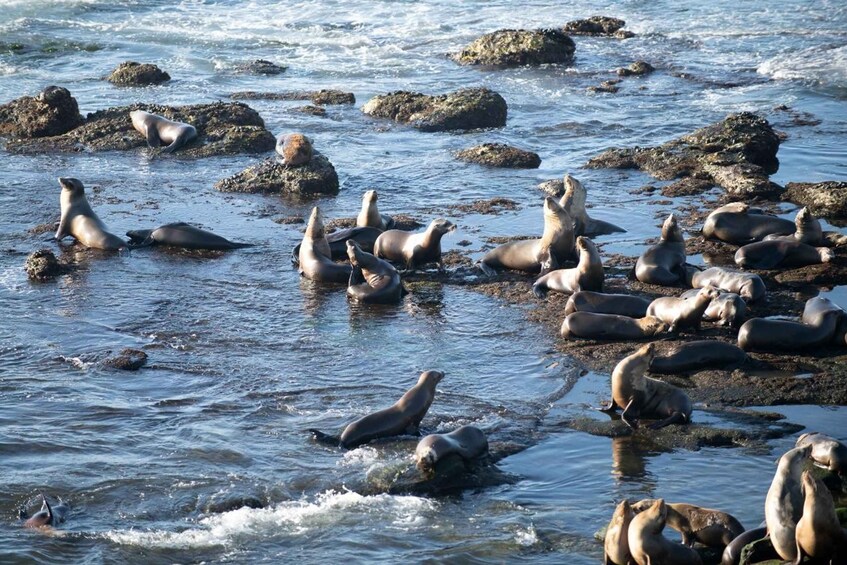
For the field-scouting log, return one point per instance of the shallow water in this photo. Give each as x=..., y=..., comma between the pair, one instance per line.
x=245, y=356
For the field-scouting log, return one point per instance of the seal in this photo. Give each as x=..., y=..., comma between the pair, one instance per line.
x=372, y=281
x=780, y=253
x=315, y=256
x=183, y=235
x=784, y=503
x=587, y=275
x=403, y=417
x=337, y=240
x=647, y=544
x=712, y=528
x=827, y=452
x=817, y=308
x=79, y=220
x=467, y=442
x=641, y=396
x=683, y=313
x=589, y=325
x=819, y=534
x=749, y=286
x=49, y=515
x=158, y=130
x=761, y=334
x=620, y=304
x=370, y=217
x=728, y=309
x=732, y=552
x=807, y=229
x=536, y=255
x=294, y=148
x=573, y=201
x=697, y=355
x=616, y=544
x=414, y=249
x=740, y=224
x=664, y=263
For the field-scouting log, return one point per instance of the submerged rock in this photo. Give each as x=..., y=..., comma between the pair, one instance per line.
x=608, y=86
x=53, y=112
x=131, y=73
x=500, y=155
x=468, y=108
x=127, y=360
x=827, y=199
x=259, y=67
x=42, y=265
x=318, y=176
x=321, y=97
x=518, y=47
x=638, y=68
x=599, y=25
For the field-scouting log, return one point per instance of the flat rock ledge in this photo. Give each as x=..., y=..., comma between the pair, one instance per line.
x=737, y=153
x=465, y=109
x=318, y=176
x=42, y=266
x=259, y=67
x=53, y=112
x=599, y=25
x=320, y=97
x=827, y=199
x=131, y=73
x=638, y=68
x=517, y=48
x=500, y=155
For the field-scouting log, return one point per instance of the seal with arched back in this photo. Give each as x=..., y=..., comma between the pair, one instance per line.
x=79, y=220
x=158, y=130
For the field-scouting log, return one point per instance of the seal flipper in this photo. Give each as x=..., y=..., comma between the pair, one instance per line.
x=46, y=506
x=675, y=418
x=487, y=269
x=632, y=411
x=180, y=140
x=140, y=238
x=356, y=276
x=608, y=408
x=153, y=139
x=323, y=438
x=22, y=513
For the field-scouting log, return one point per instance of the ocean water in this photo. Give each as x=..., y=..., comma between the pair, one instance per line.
x=203, y=455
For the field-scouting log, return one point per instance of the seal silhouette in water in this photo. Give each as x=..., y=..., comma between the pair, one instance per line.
x=47, y=516
x=79, y=220
x=158, y=130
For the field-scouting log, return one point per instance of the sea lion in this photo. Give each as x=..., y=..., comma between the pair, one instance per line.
x=818, y=307
x=403, y=417
x=337, y=240
x=761, y=334
x=681, y=313
x=697, y=355
x=827, y=452
x=314, y=257
x=468, y=442
x=819, y=534
x=536, y=255
x=370, y=217
x=732, y=552
x=372, y=281
x=49, y=515
x=663, y=263
x=79, y=220
x=780, y=253
x=740, y=224
x=587, y=275
x=183, y=235
x=728, y=309
x=589, y=325
x=158, y=130
x=784, y=503
x=573, y=201
x=748, y=285
x=616, y=542
x=294, y=148
x=597, y=302
x=641, y=396
x=414, y=249
x=647, y=544
x=712, y=528
x=807, y=229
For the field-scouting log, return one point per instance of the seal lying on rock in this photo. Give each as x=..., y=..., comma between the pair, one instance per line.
x=819, y=534
x=664, y=263
x=369, y=217
x=712, y=528
x=589, y=325
x=784, y=503
x=372, y=281
x=183, y=235
x=649, y=547
x=732, y=553
x=780, y=253
x=817, y=328
x=740, y=224
x=728, y=309
x=681, y=313
x=807, y=229
x=620, y=304
x=616, y=542
x=827, y=452
x=79, y=220
x=818, y=307
x=749, y=286
x=697, y=355
x=468, y=442
x=49, y=515
x=573, y=201
x=294, y=148
x=587, y=275
x=158, y=130
x=414, y=249
x=315, y=256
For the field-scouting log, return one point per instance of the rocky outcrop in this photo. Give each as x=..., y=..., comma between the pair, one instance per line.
x=318, y=176
x=131, y=73
x=127, y=360
x=737, y=153
x=42, y=265
x=321, y=97
x=500, y=155
x=518, y=47
x=607, y=86
x=259, y=67
x=827, y=199
x=468, y=108
x=599, y=25
x=53, y=112
x=638, y=68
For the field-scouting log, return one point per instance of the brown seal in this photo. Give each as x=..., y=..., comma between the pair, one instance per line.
x=697, y=355
x=79, y=220
x=728, y=309
x=616, y=542
x=587, y=275
x=600, y=303
x=49, y=515
x=819, y=534
x=712, y=528
x=373, y=281
x=817, y=328
x=781, y=253
x=468, y=442
x=807, y=229
x=649, y=547
x=679, y=313
x=827, y=452
x=180, y=234
x=784, y=503
x=664, y=263
x=157, y=130
x=740, y=224
x=589, y=325
x=817, y=308
x=749, y=286
x=573, y=201
x=315, y=261
x=369, y=216
x=414, y=249
x=294, y=148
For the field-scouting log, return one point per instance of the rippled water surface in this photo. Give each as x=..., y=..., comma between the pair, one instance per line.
x=203, y=454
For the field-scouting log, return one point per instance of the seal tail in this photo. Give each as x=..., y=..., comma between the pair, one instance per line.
x=323, y=438
x=486, y=269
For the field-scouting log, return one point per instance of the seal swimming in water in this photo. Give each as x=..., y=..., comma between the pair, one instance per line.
x=647, y=544
x=47, y=516
x=468, y=442
x=573, y=201
x=749, y=286
x=696, y=355
x=587, y=275
x=664, y=263
x=79, y=220
x=315, y=256
x=712, y=528
x=819, y=534
x=369, y=217
x=600, y=303
x=681, y=313
x=827, y=452
x=740, y=224
x=616, y=542
x=414, y=249
x=403, y=417
x=807, y=229
x=157, y=129
x=183, y=235
x=589, y=325
x=817, y=328
x=294, y=148
x=784, y=503
x=372, y=281
x=728, y=309
x=781, y=253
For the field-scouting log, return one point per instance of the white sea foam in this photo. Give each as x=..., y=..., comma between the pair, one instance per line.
x=526, y=536
x=825, y=65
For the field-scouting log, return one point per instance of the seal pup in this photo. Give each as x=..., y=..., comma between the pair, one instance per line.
x=587, y=275
x=79, y=220
x=697, y=355
x=402, y=417
x=180, y=234
x=819, y=534
x=712, y=528
x=663, y=263
x=641, y=396
x=157, y=130
x=369, y=217
x=573, y=201
x=536, y=255
x=827, y=452
x=294, y=148
x=740, y=224
x=414, y=249
x=784, y=503
x=748, y=285
x=780, y=253
x=647, y=544
x=589, y=325
x=679, y=313
x=315, y=257
x=372, y=280
x=616, y=542
x=468, y=442
x=728, y=309
x=597, y=302
x=767, y=335
x=48, y=515
x=337, y=240
x=807, y=229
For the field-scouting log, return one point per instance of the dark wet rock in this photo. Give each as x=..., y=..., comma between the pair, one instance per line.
x=127, y=360
x=222, y=129
x=828, y=199
x=232, y=502
x=599, y=25
x=553, y=187
x=259, y=67
x=131, y=73
x=500, y=155
x=289, y=220
x=321, y=97
x=53, y=112
x=310, y=110
x=318, y=176
x=468, y=108
x=608, y=86
x=737, y=154
x=687, y=186
x=761, y=552
x=638, y=68
x=42, y=265
x=518, y=47
x=492, y=206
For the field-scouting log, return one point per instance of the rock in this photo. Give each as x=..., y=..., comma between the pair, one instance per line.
x=310, y=110
x=321, y=97
x=53, y=112
x=737, y=154
x=518, y=47
x=608, y=86
x=638, y=68
x=468, y=108
x=828, y=199
x=500, y=155
x=318, y=176
x=599, y=25
x=553, y=187
x=127, y=360
x=259, y=67
x=42, y=265
x=131, y=73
